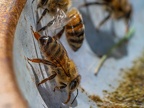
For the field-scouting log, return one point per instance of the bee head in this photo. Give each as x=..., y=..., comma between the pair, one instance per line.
x=72, y=86
x=74, y=83
x=43, y=40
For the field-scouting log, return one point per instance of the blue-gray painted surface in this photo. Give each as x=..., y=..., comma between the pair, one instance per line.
x=86, y=58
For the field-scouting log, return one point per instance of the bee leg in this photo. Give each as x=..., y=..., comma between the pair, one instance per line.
x=49, y=78
x=58, y=36
x=48, y=25
x=60, y=87
x=92, y=3
x=127, y=25
x=113, y=29
x=103, y=21
x=68, y=99
x=37, y=60
x=43, y=14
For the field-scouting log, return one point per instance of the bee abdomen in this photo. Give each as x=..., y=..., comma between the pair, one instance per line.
x=53, y=49
x=75, y=30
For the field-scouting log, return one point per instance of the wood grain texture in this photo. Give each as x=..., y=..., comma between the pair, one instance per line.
x=10, y=96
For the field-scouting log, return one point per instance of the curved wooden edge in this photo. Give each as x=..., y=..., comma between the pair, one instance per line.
x=10, y=96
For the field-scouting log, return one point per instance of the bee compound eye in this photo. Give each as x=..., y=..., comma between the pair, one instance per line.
x=73, y=84
x=43, y=40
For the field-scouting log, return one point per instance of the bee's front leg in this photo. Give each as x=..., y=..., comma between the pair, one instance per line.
x=63, y=85
x=68, y=99
x=127, y=26
x=49, y=78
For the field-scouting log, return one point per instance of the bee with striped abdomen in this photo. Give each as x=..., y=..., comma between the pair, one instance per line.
x=71, y=20
x=52, y=6
x=74, y=30
x=63, y=69
x=117, y=9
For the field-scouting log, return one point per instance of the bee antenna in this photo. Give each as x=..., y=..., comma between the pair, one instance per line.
x=75, y=97
x=36, y=34
x=32, y=29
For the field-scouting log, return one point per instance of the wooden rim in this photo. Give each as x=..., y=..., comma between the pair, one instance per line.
x=10, y=95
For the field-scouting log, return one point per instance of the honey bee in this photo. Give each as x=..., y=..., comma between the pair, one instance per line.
x=63, y=69
x=53, y=7
x=74, y=30
x=117, y=9
x=70, y=20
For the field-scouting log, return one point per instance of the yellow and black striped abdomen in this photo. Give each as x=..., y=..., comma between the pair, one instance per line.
x=75, y=30
x=52, y=48
x=54, y=52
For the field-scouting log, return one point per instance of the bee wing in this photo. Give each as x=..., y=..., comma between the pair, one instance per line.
x=57, y=59
x=62, y=66
x=60, y=20
x=62, y=47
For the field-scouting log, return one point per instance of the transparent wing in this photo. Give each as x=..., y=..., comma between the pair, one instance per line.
x=60, y=20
